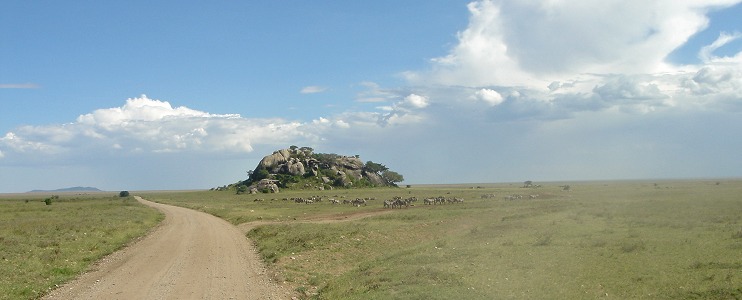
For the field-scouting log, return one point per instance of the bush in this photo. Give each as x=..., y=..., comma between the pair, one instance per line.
x=124, y=194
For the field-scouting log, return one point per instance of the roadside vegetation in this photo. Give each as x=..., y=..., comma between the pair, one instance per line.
x=620, y=240
x=47, y=240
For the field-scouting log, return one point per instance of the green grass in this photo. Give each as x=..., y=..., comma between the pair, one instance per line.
x=42, y=246
x=619, y=240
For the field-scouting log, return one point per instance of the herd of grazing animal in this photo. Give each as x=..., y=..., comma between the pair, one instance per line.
x=395, y=202
x=518, y=197
x=318, y=199
x=442, y=200
x=398, y=202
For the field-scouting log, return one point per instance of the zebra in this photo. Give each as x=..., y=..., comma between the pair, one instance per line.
x=388, y=203
x=358, y=202
x=399, y=202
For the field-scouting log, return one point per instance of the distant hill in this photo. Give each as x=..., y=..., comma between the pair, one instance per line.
x=70, y=189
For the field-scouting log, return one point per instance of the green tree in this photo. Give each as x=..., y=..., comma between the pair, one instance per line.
x=373, y=167
x=257, y=175
x=391, y=177
x=284, y=180
x=124, y=194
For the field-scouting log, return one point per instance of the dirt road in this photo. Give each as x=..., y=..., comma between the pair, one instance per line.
x=191, y=255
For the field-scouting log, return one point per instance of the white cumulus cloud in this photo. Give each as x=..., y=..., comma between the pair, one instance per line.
x=546, y=60
x=489, y=96
x=534, y=43
x=144, y=125
x=415, y=101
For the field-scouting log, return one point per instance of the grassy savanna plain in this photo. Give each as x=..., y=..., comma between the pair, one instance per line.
x=42, y=245
x=616, y=240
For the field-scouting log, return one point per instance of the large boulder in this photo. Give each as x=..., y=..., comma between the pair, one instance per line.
x=266, y=184
x=374, y=178
x=295, y=167
x=350, y=162
x=274, y=161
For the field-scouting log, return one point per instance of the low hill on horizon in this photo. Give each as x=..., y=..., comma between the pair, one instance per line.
x=69, y=189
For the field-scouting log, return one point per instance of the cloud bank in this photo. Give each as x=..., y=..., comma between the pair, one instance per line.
x=146, y=126
x=551, y=59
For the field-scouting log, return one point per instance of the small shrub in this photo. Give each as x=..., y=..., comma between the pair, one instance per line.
x=48, y=201
x=124, y=194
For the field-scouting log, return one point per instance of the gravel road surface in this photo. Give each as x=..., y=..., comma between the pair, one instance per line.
x=191, y=255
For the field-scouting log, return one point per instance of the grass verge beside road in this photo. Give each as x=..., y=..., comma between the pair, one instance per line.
x=42, y=246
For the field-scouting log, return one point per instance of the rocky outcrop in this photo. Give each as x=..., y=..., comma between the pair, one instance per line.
x=374, y=178
x=268, y=185
x=275, y=160
x=324, y=169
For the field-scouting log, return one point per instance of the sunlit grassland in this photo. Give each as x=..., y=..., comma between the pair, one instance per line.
x=45, y=245
x=243, y=208
x=620, y=240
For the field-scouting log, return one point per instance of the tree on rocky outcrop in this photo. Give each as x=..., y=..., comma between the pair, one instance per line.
x=392, y=177
x=258, y=174
x=374, y=167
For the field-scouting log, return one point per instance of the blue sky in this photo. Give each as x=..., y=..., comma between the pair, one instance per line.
x=182, y=95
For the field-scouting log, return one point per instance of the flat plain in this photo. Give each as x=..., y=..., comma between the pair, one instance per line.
x=614, y=240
